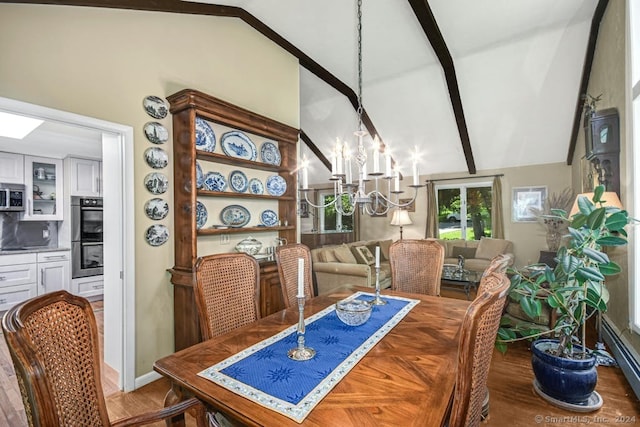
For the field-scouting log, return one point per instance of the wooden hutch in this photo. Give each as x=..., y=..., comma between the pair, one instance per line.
x=185, y=106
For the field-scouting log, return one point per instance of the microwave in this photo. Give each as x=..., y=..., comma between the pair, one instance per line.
x=12, y=197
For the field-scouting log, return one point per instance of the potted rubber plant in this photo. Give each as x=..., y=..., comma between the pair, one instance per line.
x=564, y=368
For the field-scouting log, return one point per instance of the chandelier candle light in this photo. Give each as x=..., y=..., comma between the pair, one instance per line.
x=373, y=202
x=301, y=352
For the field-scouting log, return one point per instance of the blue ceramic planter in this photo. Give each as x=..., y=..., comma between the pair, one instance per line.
x=568, y=380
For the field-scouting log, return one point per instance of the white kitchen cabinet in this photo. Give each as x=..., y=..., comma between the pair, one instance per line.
x=11, y=168
x=88, y=286
x=85, y=177
x=43, y=179
x=17, y=279
x=54, y=271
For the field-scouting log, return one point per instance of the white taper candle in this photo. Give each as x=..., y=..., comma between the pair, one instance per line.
x=300, y=277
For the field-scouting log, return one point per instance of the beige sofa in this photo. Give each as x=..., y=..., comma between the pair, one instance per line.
x=350, y=265
x=477, y=253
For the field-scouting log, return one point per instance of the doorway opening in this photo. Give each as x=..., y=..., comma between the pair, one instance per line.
x=119, y=272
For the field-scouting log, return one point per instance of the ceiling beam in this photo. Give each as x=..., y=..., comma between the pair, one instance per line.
x=586, y=74
x=176, y=6
x=313, y=147
x=430, y=27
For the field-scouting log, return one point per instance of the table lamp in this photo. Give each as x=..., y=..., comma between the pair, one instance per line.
x=401, y=217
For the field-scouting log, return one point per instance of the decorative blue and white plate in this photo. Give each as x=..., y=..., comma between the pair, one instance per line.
x=156, y=208
x=156, y=157
x=269, y=153
x=276, y=185
x=156, y=183
x=215, y=181
x=237, y=144
x=205, y=138
x=235, y=216
x=199, y=176
x=155, y=107
x=238, y=181
x=201, y=215
x=157, y=234
x=255, y=186
x=269, y=218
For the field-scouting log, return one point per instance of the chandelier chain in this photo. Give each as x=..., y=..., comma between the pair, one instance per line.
x=360, y=109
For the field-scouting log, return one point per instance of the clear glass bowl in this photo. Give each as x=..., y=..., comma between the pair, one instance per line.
x=353, y=312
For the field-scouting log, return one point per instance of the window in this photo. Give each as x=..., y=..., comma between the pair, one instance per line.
x=329, y=218
x=634, y=86
x=464, y=211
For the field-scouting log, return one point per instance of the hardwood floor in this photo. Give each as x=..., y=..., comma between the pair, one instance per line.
x=513, y=402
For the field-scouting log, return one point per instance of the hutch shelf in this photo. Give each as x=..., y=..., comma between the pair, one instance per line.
x=185, y=106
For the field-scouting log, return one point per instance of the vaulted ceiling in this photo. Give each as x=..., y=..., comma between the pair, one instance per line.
x=475, y=85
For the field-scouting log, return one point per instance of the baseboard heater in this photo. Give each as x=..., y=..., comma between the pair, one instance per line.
x=624, y=354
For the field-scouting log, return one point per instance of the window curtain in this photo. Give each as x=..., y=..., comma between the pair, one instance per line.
x=497, y=213
x=432, y=212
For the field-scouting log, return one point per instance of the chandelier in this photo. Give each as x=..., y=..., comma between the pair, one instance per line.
x=374, y=202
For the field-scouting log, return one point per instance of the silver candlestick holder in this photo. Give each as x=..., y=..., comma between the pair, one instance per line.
x=301, y=352
x=377, y=300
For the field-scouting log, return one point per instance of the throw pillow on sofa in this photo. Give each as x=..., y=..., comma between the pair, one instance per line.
x=372, y=249
x=489, y=248
x=327, y=255
x=467, y=253
x=363, y=255
x=343, y=254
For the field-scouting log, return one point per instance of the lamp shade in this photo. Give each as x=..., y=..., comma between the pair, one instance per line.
x=401, y=217
x=609, y=199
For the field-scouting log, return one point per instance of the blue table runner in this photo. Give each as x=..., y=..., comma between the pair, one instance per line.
x=264, y=373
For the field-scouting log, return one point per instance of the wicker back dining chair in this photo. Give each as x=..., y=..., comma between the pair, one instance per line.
x=227, y=292
x=287, y=259
x=54, y=344
x=475, y=348
x=416, y=266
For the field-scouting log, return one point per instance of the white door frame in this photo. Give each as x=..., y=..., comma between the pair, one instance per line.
x=118, y=159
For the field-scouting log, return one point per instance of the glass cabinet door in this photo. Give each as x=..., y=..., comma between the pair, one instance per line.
x=43, y=182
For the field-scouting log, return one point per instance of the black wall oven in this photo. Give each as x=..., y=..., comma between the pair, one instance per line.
x=86, y=237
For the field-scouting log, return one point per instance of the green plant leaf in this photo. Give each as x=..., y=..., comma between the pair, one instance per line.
x=501, y=347
x=555, y=300
x=596, y=219
x=611, y=241
x=576, y=234
x=585, y=205
x=589, y=273
x=597, y=193
x=578, y=220
x=610, y=268
x=597, y=256
x=617, y=221
x=531, y=306
x=595, y=300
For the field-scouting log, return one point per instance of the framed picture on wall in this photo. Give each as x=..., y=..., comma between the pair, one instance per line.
x=524, y=200
x=411, y=207
x=304, y=209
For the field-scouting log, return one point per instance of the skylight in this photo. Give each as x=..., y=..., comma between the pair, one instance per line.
x=16, y=126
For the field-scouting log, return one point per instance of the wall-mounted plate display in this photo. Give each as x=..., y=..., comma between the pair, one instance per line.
x=235, y=216
x=269, y=218
x=276, y=185
x=199, y=176
x=215, y=181
x=156, y=157
x=269, y=153
x=156, y=183
x=156, y=208
x=205, y=138
x=157, y=234
x=255, y=186
x=238, y=181
x=237, y=144
x=156, y=133
x=155, y=107
x=201, y=215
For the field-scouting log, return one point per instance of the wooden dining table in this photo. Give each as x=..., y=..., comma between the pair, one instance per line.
x=405, y=379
